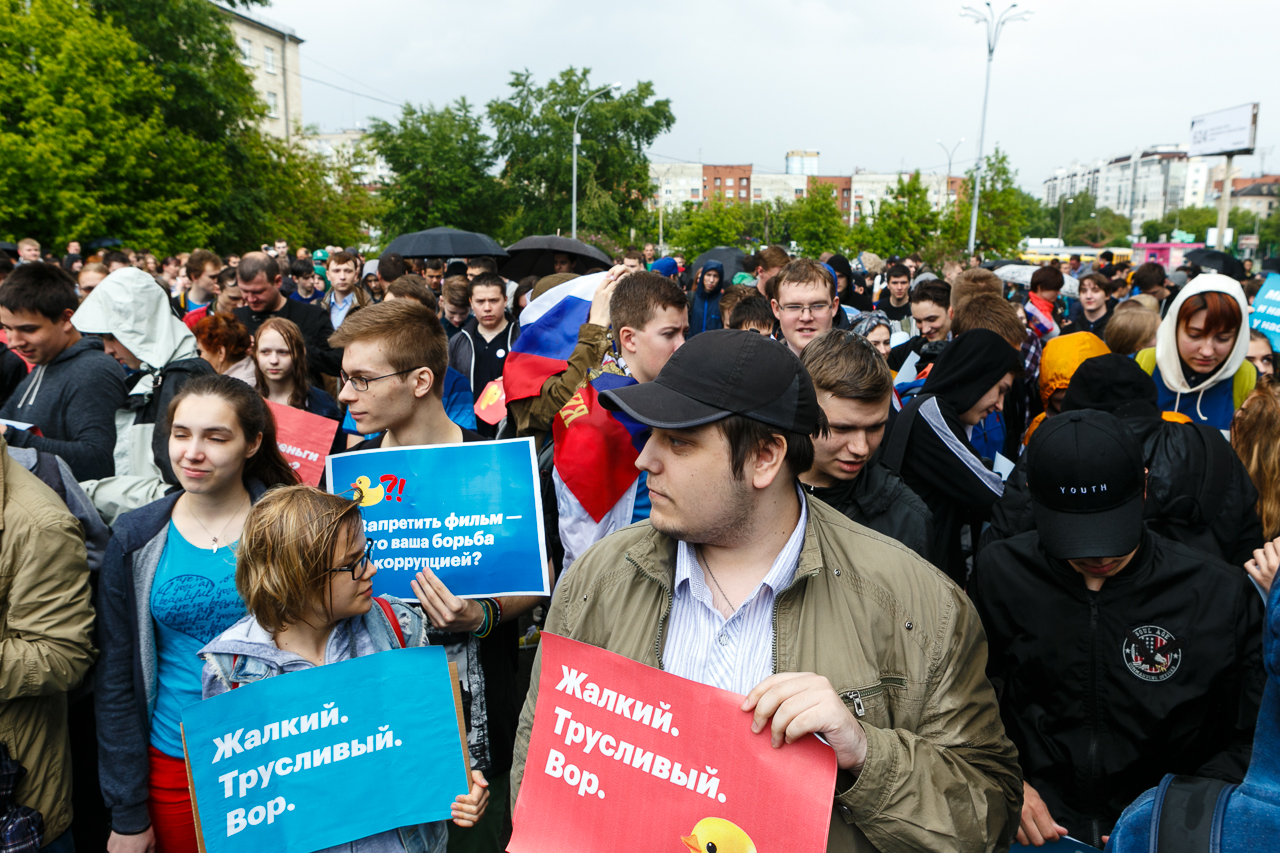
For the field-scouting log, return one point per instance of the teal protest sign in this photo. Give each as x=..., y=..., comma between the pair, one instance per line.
x=1266, y=310
x=471, y=513
x=328, y=755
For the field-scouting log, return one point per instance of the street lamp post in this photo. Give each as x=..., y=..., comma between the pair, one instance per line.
x=994, y=25
x=946, y=193
x=577, y=140
x=1062, y=214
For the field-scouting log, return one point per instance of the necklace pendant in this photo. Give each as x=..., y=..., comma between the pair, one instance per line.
x=215, y=544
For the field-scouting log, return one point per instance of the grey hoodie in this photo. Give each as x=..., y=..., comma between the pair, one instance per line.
x=73, y=400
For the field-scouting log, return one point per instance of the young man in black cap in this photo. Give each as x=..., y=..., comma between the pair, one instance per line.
x=738, y=580
x=1124, y=656
x=1198, y=491
x=855, y=390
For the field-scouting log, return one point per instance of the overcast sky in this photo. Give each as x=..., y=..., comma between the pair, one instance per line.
x=870, y=85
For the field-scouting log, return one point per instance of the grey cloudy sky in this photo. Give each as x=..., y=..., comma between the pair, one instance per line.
x=870, y=85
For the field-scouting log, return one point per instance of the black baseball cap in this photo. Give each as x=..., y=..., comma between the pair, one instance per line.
x=1086, y=474
x=721, y=373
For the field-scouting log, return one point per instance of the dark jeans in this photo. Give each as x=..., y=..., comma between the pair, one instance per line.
x=64, y=843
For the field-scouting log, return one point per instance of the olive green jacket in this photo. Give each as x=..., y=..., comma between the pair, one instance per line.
x=533, y=415
x=900, y=643
x=46, y=619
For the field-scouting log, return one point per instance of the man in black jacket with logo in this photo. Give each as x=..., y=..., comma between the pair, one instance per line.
x=1198, y=491
x=1120, y=655
x=854, y=389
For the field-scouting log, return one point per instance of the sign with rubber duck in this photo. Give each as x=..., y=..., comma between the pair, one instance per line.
x=471, y=513
x=624, y=757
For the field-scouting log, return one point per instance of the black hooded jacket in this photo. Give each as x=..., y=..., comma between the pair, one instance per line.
x=1097, y=717
x=928, y=447
x=877, y=498
x=1198, y=491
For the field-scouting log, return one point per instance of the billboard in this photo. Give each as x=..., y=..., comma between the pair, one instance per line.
x=1225, y=132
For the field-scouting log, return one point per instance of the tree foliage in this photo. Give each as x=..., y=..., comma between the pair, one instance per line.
x=534, y=133
x=442, y=161
x=815, y=222
x=1198, y=221
x=720, y=223
x=1000, y=213
x=903, y=223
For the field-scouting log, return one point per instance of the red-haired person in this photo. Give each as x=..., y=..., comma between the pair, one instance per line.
x=1198, y=361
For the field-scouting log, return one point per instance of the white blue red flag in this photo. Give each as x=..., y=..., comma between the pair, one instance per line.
x=548, y=333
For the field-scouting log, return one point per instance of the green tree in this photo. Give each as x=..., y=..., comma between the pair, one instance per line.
x=1104, y=227
x=902, y=224
x=533, y=134
x=1198, y=221
x=1000, y=213
x=720, y=223
x=815, y=221
x=1039, y=220
x=83, y=163
x=442, y=161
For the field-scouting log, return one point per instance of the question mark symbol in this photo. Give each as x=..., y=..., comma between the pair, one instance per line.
x=475, y=555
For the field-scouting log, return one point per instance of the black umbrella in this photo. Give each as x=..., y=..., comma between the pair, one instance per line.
x=1003, y=262
x=1271, y=264
x=445, y=243
x=105, y=243
x=10, y=248
x=1211, y=260
x=734, y=261
x=536, y=256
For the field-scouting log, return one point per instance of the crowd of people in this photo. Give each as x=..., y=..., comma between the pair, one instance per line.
x=1008, y=551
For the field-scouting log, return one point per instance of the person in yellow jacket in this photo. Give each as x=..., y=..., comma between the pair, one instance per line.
x=1062, y=356
x=1198, y=361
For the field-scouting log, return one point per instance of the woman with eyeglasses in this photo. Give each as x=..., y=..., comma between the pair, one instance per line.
x=306, y=574
x=166, y=588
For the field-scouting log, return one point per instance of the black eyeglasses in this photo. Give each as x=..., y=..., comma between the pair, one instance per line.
x=359, y=566
x=361, y=384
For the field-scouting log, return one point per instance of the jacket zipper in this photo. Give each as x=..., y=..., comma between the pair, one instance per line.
x=874, y=690
x=1095, y=829
x=662, y=622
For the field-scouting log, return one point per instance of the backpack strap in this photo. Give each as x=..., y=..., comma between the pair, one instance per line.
x=895, y=449
x=391, y=617
x=1218, y=462
x=1187, y=814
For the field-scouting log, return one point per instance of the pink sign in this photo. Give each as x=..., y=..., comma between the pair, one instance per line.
x=304, y=440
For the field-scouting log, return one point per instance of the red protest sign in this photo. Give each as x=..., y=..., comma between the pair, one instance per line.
x=492, y=405
x=624, y=757
x=304, y=440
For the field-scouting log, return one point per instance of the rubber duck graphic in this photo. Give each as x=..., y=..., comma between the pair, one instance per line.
x=368, y=495
x=717, y=835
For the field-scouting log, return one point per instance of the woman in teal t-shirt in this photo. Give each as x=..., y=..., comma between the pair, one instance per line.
x=178, y=556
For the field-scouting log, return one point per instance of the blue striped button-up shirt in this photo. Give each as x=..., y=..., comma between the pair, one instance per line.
x=735, y=653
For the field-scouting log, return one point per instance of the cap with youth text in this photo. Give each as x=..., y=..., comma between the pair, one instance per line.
x=1086, y=475
x=721, y=373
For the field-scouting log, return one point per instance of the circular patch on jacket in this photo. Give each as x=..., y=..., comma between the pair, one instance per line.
x=1151, y=652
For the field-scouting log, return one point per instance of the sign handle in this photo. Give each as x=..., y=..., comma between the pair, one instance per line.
x=191, y=786
x=462, y=727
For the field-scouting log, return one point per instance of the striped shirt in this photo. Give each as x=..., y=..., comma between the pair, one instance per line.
x=736, y=653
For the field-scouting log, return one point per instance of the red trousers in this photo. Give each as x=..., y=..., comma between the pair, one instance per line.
x=169, y=804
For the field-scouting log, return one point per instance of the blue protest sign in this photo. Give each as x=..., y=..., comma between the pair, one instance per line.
x=472, y=513
x=1266, y=310
x=374, y=743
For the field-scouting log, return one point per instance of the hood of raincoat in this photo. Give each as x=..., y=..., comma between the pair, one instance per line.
x=1167, y=358
x=131, y=306
x=708, y=266
x=970, y=366
x=1062, y=357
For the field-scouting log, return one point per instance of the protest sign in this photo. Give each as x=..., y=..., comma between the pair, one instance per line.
x=625, y=757
x=374, y=743
x=1266, y=310
x=472, y=513
x=304, y=439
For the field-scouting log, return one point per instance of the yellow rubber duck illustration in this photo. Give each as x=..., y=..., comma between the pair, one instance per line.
x=717, y=835
x=368, y=495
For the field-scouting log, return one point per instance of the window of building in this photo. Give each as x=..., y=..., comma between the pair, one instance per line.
x=799, y=192
x=246, y=51
x=728, y=182
x=269, y=60
x=742, y=193
x=271, y=105
x=717, y=182
x=693, y=193
x=755, y=192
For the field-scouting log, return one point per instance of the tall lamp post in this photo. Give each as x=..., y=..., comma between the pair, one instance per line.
x=1062, y=213
x=946, y=193
x=995, y=23
x=577, y=140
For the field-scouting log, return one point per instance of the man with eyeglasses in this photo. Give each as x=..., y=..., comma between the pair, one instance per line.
x=804, y=302
x=394, y=360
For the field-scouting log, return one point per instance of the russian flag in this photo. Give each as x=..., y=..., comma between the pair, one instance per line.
x=548, y=334
x=596, y=449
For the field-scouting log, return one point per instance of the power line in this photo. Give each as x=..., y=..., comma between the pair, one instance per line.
x=310, y=58
x=351, y=91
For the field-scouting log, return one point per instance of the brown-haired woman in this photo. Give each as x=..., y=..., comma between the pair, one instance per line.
x=167, y=587
x=1253, y=435
x=305, y=571
x=280, y=369
x=224, y=342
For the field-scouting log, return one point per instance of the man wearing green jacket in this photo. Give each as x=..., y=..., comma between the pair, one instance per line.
x=737, y=580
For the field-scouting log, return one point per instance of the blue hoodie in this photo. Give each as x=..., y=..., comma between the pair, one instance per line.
x=704, y=307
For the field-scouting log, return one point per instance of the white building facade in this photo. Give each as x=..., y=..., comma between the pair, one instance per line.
x=347, y=143
x=270, y=51
x=1145, y=184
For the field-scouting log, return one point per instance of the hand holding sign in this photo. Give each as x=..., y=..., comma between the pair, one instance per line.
x=795, y=704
